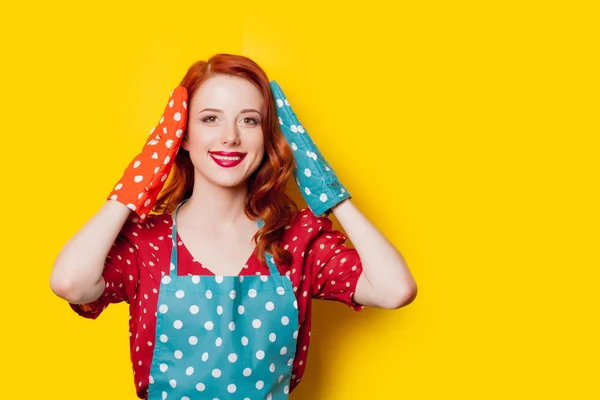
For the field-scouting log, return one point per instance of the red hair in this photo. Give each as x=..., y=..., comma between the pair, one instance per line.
x=266, y=198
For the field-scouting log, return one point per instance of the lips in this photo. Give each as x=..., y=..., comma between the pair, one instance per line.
x=227, y=159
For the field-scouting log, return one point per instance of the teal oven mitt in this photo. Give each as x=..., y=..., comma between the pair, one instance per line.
x=316, y=180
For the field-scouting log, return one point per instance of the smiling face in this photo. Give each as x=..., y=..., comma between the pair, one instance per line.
x=224, y=130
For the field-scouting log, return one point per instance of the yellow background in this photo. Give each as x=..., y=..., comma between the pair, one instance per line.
x=466, y=131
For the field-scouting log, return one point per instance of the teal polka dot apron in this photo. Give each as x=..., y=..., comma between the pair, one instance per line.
x=223, y=337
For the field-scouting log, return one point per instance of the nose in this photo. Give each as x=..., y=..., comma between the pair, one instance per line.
x=230, y=135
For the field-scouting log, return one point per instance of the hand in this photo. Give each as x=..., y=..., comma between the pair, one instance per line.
x=146, y=174
x=316, y=180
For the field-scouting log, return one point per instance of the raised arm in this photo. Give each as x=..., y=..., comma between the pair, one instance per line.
x=77, y=272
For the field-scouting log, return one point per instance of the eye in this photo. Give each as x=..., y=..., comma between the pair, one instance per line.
x=209, y=118
x=251, y=121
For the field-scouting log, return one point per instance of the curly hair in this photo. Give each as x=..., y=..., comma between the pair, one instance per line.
x=266, y=197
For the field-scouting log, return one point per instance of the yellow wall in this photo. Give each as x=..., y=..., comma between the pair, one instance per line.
x=467, y=132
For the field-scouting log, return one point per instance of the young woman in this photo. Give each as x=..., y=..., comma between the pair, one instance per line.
x=217, y=263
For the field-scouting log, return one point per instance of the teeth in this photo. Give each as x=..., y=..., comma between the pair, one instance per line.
x=227, y=158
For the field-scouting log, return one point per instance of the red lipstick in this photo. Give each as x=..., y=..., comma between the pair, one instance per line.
x=227, y=159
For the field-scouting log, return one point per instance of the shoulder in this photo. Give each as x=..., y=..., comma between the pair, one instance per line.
x=306, y=226
x=152, y=228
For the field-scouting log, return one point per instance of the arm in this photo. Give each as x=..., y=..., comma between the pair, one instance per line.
x=77, y=271
x=386, y=281
x=77, y=275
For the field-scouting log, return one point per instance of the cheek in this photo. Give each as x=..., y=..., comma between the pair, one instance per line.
x=198, y=137
x=257, y=141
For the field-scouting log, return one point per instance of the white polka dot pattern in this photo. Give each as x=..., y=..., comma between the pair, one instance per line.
x=318, y=183
x=147, y=172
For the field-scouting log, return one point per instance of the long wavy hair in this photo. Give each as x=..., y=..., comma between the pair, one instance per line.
x=266, y=197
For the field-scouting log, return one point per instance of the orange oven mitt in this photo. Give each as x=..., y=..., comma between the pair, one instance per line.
x=146, y=174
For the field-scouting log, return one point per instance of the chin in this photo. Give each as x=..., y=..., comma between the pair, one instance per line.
x=224, y=178
x=229, y=183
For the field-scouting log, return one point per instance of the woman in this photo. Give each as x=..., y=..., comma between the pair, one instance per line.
x=217, y=263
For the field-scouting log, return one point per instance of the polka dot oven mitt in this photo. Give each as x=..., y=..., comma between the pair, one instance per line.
x=316, y=180
x=145, y=176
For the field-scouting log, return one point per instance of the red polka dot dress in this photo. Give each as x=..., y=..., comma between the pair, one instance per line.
x=323, y=267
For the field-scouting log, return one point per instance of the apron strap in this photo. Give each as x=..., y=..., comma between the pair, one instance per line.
x=270, y=260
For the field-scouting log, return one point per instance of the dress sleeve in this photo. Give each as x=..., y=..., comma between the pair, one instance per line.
x=120, y=275
x=335, y=267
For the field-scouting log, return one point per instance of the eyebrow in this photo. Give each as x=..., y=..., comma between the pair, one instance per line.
x=245, y=110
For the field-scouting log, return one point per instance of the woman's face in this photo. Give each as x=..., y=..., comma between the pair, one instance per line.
x=225, y=136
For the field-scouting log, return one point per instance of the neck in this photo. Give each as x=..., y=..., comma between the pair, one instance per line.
x=221, y=208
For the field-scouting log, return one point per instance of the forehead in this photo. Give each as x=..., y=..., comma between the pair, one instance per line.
x=227, y=92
